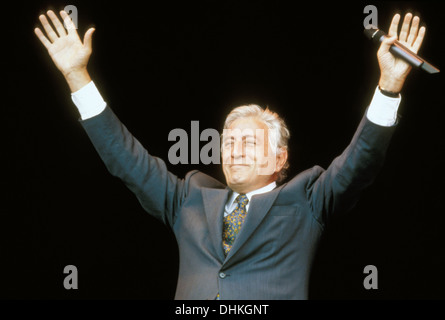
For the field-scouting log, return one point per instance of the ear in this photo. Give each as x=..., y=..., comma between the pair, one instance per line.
x=281, y=159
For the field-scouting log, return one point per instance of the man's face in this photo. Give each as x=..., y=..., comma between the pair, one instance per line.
x=249, y=163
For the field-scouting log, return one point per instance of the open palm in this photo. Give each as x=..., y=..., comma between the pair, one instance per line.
x=65, y=48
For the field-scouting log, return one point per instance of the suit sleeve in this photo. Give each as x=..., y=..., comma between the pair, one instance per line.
x=338, y=188
x=160, y=192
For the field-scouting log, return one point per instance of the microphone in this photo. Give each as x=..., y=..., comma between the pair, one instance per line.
x=400, y=50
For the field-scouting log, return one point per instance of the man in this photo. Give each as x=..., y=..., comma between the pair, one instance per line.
x=256, y=237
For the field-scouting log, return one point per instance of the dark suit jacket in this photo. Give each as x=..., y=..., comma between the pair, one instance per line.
x=272, y=255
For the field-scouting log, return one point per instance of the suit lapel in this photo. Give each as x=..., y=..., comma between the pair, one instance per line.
x=260, y=205
x=214, y=203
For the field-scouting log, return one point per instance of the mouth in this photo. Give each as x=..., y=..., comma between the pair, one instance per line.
x=238, y=166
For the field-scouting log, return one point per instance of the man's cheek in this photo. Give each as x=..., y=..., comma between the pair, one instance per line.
x=225, y=159
x=267, y=167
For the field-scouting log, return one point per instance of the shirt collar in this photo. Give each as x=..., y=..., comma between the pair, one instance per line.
x=249, y=195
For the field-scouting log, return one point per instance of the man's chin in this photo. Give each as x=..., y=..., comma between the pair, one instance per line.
x=237, y=182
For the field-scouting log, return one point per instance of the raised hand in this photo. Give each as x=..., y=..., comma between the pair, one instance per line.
x=66, y=49
x=394, y=70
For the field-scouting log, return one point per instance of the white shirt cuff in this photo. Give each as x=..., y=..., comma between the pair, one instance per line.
x=383, y=109
x=88, y=101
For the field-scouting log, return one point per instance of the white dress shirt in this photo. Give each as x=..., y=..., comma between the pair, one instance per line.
x=231, y=205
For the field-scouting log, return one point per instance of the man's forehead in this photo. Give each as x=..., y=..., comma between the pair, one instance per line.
x=243, y=133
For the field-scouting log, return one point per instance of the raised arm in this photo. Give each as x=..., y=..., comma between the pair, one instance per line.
x=66, y=49
x=160, y=192
x=339, y=187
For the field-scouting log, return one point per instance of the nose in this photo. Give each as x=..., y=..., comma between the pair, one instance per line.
x=238, y=150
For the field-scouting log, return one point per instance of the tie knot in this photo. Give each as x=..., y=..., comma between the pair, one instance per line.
x=242, y=199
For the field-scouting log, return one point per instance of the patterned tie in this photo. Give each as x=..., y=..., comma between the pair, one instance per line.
x=233, y=222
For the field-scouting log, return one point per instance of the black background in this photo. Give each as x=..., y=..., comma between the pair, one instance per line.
x=162, y=65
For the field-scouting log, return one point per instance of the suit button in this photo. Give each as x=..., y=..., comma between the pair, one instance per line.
x=222, y=275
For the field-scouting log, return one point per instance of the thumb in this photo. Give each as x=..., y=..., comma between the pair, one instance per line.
x=88, y=39
x=386, y=44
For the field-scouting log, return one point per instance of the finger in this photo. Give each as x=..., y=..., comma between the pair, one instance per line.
x=413, y=32
x=49, y=30
x=418, y=42
x=386, y=44
x=56, y=22
x=42, y=38
x=69, y=24
x=88, y=39
x=405, y=27
x=394, y=25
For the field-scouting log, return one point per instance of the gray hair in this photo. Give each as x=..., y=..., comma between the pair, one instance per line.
x=278, y=133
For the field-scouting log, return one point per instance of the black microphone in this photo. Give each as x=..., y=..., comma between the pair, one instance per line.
x=400, y=50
